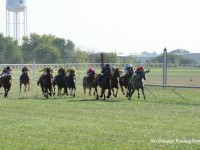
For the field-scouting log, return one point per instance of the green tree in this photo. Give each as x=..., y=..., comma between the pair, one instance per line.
x=81, y=56
x=47, y=54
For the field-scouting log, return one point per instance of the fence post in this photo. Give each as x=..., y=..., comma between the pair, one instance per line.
x=165, y=68
x=33, y=67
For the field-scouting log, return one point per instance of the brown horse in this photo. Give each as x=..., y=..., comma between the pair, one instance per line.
x=24, y=79
x=105, y=83
x=46, y=83
x=6, y=83
x=122, y=84
x=71, y=83
x=89, y=82
x=115, y=80
x=60, y=81
x=136, y=83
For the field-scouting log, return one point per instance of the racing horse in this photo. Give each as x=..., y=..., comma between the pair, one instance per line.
x=89, y=82
x=122, y=84
x=104, y=81
x=46, y=84
x=6, y=84
x=71, y=82
x=115, y=80
x=24, y=79
x=60, y=81
x=136, y=83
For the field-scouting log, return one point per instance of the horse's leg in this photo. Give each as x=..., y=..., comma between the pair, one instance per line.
x=73, y=90
x=20, y=87
x=28, y=86
x=109, y=93
x=96, y=92
x=84, y=88
x=25, y=85
x=113, y=92
x=90, y=90
x=102, y=92
x=122, y=89
x=138, y=93
x=5, y=95
x=58, y=92
x=116, y=92
x=143, y=93
x=65, y=89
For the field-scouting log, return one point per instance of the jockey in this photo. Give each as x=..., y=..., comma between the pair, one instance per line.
x=6, y=71
x=138, y=70
x=61, y=71
x=70, y=70
x=105, y=69
x=129, y=72
x=44, y=71
x=25, y=69
x=112, y=69
x=128, y=68
x=91, y=69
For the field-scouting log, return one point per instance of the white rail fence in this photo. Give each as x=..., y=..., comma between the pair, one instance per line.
x=80, y=65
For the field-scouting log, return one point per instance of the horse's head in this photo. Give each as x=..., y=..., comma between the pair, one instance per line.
x=141, y=75
x=117, y=73
x=92, y=74
x=48, y=71
x=109, y=72
x=72, y=73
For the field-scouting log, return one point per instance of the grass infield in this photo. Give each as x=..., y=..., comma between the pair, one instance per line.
x=167, y=121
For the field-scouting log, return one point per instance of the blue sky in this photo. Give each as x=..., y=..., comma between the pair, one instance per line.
x=127, y=26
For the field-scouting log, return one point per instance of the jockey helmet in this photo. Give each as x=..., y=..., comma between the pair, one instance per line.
x=8, y=68
x=50, y=67
x=73, y=68
x=91, y=69
x=113, y=67
x=129, y=65
x=107, y=65
x=61, y=67
x=141, y=68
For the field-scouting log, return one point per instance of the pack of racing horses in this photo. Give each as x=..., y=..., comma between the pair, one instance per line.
x=110, y=82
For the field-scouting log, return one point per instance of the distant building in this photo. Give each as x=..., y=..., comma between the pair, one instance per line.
x=139, y=57
x=144, y=57
x=192, y=56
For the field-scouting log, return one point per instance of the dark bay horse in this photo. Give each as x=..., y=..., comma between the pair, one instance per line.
x=122, y=84
x=24, y=79
x=136, y=83
x=6, y=83
x=46, y=84
x=89, y=82
x=71, y=82
x=60, y=81
x=115, y=80
x=105, y=83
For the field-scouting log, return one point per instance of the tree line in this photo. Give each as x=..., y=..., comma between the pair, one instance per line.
x=51, y=49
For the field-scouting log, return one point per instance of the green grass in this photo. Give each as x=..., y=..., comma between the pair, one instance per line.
x=29, y=121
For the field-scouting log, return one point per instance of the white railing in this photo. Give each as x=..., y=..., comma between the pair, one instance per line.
x=97, y=65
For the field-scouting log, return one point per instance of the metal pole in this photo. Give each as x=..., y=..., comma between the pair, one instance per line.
x=102, y=60
x=164, y=68
x=33, y=67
